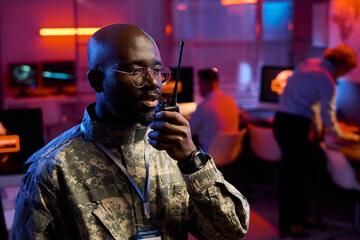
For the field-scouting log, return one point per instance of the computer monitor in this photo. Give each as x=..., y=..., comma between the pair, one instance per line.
x=272, y=82
x=23, y=75
x=58, y=73
x=186, y=79
x=21, y=135
x=347, y=102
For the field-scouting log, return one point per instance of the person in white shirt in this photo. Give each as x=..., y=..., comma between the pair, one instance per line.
x=218, y=112
x=309, y=96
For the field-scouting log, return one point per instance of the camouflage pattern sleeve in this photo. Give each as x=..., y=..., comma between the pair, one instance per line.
x=221, y=211
x=40, y=211
x=30, y=221
x=72, y=190
x=36, y=211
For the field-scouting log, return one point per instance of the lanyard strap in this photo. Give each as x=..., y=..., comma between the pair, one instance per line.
x=144, y=197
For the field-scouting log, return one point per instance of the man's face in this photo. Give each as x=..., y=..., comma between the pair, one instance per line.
x=128, y=104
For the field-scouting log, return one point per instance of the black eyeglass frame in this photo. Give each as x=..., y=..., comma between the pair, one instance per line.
x=139, y=71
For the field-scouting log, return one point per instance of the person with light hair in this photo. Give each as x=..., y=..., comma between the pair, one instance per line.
x=309, y=97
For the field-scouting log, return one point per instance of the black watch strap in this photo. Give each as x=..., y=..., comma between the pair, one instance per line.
x=194, y=162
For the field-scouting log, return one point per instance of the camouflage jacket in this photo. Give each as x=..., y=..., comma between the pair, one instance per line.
x=73, y=190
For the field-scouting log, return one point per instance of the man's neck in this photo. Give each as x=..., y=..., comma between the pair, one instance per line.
x=108, y=118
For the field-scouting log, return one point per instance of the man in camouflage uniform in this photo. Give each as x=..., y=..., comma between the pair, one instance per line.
x=91, y=182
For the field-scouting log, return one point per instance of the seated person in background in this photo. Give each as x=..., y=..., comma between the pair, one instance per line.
x=218, y=112
x=110, y=177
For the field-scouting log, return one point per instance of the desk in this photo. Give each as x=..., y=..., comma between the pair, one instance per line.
x=8, y=197
x=351, y=150
x=259, y=116
x=187, y=108
x=59, y=113
x=50, y=105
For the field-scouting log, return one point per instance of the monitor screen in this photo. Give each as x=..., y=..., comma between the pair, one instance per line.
x=21, y=135
x=23, y=75
x=273, y=81
x=58, y=73
x=186, y=79
x=348, y=102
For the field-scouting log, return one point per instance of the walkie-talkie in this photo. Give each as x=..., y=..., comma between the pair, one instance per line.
x=164, y=106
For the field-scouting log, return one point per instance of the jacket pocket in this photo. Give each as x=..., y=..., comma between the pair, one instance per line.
x=104, y=213
x=177, y=210
x=117, y=218
x=31, y=223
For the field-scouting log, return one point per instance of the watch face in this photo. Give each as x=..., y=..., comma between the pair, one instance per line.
x=193, y=163
x=197, y=161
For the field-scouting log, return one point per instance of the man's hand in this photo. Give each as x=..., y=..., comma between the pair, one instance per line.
x=171, y=132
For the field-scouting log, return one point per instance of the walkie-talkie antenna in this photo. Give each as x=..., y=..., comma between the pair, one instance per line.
x=173, y=100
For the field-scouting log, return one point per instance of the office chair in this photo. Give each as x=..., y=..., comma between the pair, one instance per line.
x=226, y=147
x=343, y=175
x=265, y=147
x=3, y=230
x=225, y=150
x=263, y=143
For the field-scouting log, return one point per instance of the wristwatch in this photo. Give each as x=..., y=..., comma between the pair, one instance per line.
x=194, y=162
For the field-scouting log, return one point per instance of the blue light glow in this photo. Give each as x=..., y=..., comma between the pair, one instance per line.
x=244, y=73
x=56, y=75
x=276, y=19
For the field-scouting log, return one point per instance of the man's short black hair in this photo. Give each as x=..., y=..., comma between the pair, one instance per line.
x=209, y=75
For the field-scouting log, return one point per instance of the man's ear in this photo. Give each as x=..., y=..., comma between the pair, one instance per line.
x=96, y=79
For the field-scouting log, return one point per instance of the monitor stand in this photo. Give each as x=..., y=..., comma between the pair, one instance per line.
x=60, y=89
x=22, y=92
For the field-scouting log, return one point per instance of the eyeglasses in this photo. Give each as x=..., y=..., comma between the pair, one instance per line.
x=139, y=76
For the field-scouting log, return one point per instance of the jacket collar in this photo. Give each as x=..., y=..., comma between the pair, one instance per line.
x=110, y=134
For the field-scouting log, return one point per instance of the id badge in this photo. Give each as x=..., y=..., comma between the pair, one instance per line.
x=149, y=234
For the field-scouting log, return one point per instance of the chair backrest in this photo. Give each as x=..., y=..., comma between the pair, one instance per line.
x=3, y=229
x=227, y=146
x=340, y=170
x=263, y=143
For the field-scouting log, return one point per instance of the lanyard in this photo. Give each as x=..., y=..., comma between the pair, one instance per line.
x=144, y=197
